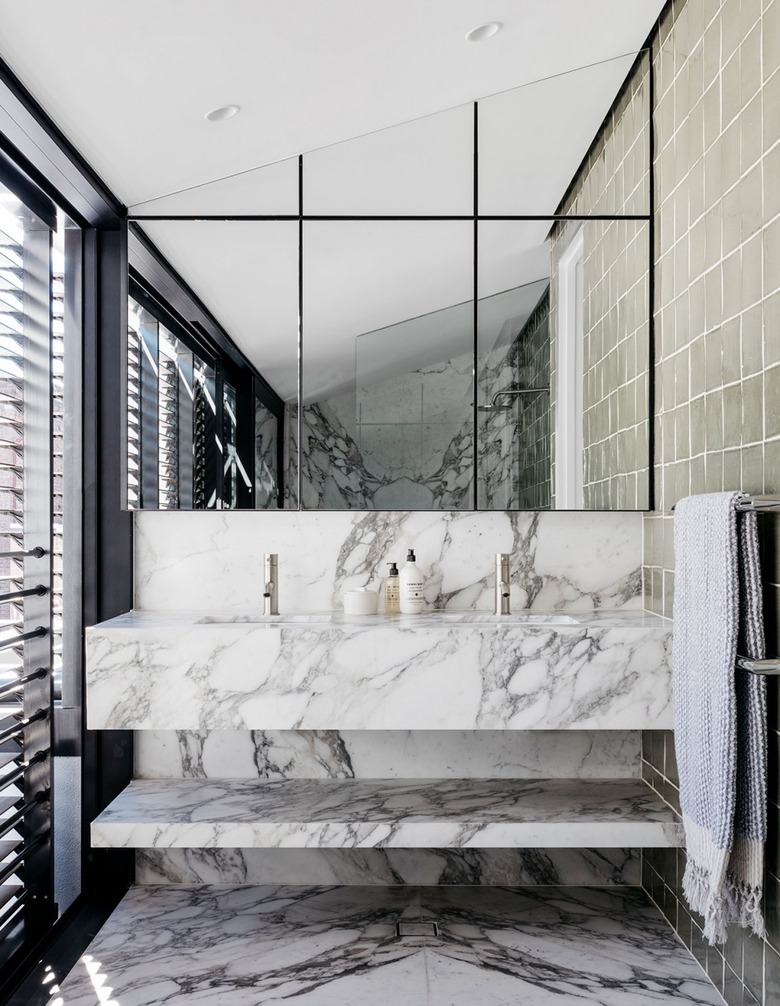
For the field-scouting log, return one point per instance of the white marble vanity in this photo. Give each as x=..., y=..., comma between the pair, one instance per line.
x=451, y=747
x=327, y=671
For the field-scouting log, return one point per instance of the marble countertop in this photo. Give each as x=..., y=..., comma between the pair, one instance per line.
x=384, y=813
x=537, y=670
x=636, y=618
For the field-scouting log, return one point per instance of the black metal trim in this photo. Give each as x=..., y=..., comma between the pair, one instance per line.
x=299, y=416
x=475, y=318
x=376, y=217
x=651, y=389
x=107, y=756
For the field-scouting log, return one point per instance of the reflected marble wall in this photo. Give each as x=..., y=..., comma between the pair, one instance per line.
x=266, y=464
x=407, y=441
x=403, y=442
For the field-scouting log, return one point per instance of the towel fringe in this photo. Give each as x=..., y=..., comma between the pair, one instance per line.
x=735, y=901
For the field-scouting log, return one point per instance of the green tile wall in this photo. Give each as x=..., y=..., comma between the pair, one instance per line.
x=717, y=371
x=717, y=365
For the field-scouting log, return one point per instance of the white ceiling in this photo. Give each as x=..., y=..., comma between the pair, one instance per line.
x=129, y=84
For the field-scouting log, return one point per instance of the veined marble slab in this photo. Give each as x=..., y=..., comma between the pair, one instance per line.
x=213, y=560
x=382, y=813
x=338, y=947
x=155, y=671
x=385, y=754
x=390, y=867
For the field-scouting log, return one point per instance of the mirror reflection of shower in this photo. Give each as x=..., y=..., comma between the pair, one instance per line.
x=414, y=421
x=406, y=426
x=515, y=458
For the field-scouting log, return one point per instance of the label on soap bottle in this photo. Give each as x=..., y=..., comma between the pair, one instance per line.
x=392, y=596
x=412, y=596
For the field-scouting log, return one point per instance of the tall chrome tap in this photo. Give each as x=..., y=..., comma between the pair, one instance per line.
x=502, y=584
x=271, y=591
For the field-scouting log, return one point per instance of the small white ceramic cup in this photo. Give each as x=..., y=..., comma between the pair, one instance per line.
x=360, y=602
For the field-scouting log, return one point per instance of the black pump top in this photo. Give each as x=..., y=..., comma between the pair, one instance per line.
x=411, y=557
x=393, y=569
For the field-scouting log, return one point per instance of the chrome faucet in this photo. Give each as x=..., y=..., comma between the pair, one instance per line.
x=502, y=583
x=271, y=592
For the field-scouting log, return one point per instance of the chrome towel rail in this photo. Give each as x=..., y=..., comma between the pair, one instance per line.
x=767, y=666
x=759, y=504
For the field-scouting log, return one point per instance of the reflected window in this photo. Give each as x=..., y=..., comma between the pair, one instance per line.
x=170, y=413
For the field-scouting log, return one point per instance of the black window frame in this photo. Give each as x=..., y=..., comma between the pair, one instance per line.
x=45, y=171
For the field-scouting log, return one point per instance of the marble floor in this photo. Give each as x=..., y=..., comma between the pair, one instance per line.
x=315, y=946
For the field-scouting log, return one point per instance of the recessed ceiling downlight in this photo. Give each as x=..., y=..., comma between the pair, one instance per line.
x=223, y=112
x=484, y=31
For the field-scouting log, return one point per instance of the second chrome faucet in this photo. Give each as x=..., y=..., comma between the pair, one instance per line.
x=502, y=584
x=271, y=589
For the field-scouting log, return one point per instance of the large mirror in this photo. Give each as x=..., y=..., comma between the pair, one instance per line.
x=451, y=313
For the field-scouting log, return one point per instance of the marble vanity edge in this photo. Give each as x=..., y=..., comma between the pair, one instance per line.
x=387, y=814
x=338, y=835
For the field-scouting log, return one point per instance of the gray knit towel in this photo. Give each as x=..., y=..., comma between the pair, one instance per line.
x=719, y=711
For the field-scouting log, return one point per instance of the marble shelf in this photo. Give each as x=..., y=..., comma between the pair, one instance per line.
x=387, y=813
x=441, y=671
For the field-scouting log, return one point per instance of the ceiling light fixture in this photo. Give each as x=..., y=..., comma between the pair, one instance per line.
x=484, y=31
x=223, y=112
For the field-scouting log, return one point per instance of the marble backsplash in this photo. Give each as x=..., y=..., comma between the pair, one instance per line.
x=212, y=561
x=389, y=867
x=387, y=754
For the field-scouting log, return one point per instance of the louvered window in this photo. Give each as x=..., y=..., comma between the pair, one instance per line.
x=58, y=461
x=170, y=411
x=31, y=541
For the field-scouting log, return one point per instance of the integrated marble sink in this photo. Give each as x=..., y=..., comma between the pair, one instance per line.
x=522, y=618
x=535, y=670
x=452, y=618
x=300, y=619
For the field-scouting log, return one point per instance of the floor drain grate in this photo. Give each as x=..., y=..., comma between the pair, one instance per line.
x=416, y=929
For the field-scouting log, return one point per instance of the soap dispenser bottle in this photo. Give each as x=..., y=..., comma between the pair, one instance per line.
x=412, y=586
x=392, y=591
